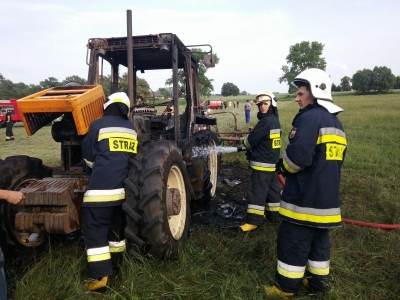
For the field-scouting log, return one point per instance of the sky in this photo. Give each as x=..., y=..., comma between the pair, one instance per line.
x=252, y=38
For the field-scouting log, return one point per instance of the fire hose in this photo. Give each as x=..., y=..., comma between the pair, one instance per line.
x=281, y=179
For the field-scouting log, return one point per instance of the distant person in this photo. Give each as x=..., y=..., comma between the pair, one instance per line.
x=247, y=111
x=169, y=110
x=12, y=197
x=9, y=127
x=263, y=146
x=139, y=100
x=237, y=104
x=310, y=204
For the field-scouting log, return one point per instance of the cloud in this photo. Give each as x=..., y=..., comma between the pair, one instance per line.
x=252, y=39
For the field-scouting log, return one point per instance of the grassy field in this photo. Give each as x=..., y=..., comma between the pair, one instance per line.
x=225, y=264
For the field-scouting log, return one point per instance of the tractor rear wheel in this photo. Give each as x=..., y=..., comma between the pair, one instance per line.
x=157, y=200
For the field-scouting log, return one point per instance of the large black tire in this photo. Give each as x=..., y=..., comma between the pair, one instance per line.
x=15, y=170
x=149, y=227
x=209, y=165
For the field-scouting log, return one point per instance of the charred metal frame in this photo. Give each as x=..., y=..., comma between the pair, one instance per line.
x=151, y=52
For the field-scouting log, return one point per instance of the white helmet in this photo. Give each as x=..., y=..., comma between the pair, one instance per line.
x=266, y=96
x=320, y=85
x=119, y=97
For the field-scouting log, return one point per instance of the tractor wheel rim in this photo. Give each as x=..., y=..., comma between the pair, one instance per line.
x=213, y=166
x=177, y=222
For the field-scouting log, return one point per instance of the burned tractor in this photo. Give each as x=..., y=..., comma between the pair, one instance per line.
x=166, y=177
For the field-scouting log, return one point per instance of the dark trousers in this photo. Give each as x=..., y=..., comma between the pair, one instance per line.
x=3, y=283
x=302, y=251
x=9, y=132
x=101, y=227
x=247, y=116
x=263, y=197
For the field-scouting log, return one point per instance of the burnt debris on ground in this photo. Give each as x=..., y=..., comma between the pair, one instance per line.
x=228, y=208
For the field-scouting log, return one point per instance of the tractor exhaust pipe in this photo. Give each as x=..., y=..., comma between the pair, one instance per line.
x=129, y=50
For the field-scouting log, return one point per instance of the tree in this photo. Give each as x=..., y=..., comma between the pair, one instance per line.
x=165, y=92
x=397, y=82
x=302, y=56
x=382, y=79
x=336, y=88
x=10, y=90
x=74, y=78
x=345, y=84
x=362, y=80
x=205, y=84
x=229, y=89
x=244, y=93
x=49, y=83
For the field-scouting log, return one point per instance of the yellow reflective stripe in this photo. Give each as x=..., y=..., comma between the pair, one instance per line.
x=99, y=257
x=117, y=246
x=116, y=249
x=260, y=166
x=103, y=198
x=331, y=138
x=288, y=168
x=293, y=275
x=107, y=135
x=290, y=271
x=264, y=169
x=274, y=135
x=255, y=211
x=104, y=195
x=318, y=271
x=272, y=208
x=308, y=217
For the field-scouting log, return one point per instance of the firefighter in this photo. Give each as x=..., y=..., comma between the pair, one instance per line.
x=263, y=147
x=106, y=149
x=310, y=203
x=9, y=127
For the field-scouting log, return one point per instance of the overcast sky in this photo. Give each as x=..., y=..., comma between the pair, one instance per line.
x=252, y=38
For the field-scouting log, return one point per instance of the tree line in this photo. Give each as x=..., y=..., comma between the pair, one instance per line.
x=12, y=90
x=307, y=54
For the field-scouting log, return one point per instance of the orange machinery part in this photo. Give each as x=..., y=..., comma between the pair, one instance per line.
x=84, y=102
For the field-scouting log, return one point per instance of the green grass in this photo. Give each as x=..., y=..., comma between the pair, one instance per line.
x=225, y=264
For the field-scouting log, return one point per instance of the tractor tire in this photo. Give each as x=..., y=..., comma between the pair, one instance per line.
x=157, y=202
x=210, y=163
x=16, y=171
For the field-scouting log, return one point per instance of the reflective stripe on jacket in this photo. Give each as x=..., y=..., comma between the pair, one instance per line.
x=106, y=148
x=264, y=143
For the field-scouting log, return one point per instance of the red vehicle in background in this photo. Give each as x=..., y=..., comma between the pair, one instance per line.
x=216, y=104
x=9, y=106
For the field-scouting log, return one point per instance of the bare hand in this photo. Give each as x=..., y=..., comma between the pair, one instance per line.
x=13, y=197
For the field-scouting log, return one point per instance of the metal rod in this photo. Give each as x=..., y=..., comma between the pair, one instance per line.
x=130, y=57
x=115, y=77
x=175, y=91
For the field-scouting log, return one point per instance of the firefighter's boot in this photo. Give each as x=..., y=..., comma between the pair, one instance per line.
x=274, y=292
x=93, y=285
x=246, y=227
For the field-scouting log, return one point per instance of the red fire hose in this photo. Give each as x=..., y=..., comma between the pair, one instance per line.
x=281, y=180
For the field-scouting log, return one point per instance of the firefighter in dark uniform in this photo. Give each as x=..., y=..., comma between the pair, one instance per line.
x=310, y=203
x=106, y=149
x=9, y=127
x=263, y=147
